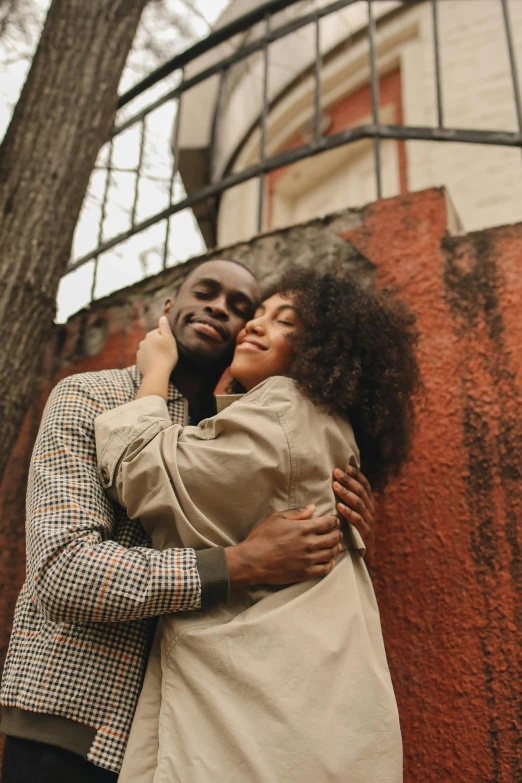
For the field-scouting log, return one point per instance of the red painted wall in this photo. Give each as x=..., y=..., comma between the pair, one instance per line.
x=350, y=112
x=448, y=570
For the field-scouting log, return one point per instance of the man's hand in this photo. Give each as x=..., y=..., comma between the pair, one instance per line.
x=286, y=547
x=356, y=504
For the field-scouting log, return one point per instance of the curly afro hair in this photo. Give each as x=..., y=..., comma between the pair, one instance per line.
x=354, y=355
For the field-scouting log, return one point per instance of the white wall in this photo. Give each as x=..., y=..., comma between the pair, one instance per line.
x=484, y=182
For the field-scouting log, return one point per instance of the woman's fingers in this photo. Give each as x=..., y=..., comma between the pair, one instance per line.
x=158, y=347
x=164, y=327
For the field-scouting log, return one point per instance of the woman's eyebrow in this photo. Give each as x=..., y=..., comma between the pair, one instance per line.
x=286, y=307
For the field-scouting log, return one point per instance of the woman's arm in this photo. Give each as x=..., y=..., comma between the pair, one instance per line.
x=287, y=546
x=209, y=484
x=188, y=484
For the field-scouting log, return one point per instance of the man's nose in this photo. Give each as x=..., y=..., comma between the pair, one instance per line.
x=218, y=308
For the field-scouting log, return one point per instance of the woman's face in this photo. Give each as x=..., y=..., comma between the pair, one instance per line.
x=262, y=346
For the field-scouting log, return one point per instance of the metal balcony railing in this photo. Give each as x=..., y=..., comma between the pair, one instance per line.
x=318, y=143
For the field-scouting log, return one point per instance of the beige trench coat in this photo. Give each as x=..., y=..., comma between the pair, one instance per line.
x=280, y=685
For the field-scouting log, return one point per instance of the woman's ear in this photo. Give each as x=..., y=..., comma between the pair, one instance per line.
x=168, y=306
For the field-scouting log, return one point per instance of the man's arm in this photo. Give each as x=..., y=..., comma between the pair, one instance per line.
x=210, y=483
x=78, y=574
x=283, y=549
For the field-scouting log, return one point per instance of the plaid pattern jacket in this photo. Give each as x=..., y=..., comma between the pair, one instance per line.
x=78, y=648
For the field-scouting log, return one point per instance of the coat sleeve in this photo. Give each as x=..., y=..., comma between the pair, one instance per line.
x=196, y=486
x=75, y=571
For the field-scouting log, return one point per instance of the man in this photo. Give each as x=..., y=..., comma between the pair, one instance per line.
x=82, y=625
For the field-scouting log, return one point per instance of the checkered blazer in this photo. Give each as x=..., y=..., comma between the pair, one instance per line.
x=81, y=629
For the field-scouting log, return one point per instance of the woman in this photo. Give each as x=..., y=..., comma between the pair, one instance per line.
x=279, y=685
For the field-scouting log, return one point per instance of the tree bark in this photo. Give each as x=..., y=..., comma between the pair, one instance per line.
x=64, y=115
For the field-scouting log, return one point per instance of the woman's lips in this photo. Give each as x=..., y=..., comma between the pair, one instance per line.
x=207, y=330
x=248, y=346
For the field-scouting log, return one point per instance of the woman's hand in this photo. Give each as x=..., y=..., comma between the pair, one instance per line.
x=158, y=350
x=156, y=358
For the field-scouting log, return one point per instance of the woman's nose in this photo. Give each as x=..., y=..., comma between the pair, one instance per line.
x=255, y=325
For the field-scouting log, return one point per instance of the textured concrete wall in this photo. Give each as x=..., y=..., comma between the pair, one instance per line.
x=448, y=573
x=448, y=570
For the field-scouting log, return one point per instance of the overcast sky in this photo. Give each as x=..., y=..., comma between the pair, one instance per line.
x=141, y=256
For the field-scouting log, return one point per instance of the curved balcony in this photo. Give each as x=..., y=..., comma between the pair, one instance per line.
x=294, y=108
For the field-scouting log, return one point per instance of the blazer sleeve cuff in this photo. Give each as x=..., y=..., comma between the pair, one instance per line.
x=213, y=573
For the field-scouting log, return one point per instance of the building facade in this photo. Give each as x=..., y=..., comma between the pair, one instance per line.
x=485, y=181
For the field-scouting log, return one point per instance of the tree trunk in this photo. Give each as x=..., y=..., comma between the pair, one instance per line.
x=64, y=115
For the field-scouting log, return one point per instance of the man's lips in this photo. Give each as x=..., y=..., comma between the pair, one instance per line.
x=250, y=345
x=210, y=329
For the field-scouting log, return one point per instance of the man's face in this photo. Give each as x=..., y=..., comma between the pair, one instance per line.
x=212, y=306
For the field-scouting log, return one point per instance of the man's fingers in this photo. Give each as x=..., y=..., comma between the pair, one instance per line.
x=305, y=512
x=320, y=570
x=354, y=485
x=322, y=525
x=324, y=541
x=361, y=479
x=354, y=519
x=356, y=474
x=356, y=501
x=324, y=555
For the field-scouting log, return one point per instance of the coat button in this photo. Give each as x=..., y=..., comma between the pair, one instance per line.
x=105, y=476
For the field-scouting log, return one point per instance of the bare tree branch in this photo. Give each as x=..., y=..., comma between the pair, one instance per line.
x=19, y=17
x=63, y=116
x=167, y=27
x=193, y=8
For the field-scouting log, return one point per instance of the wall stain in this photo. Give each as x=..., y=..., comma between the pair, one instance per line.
x=472, y=282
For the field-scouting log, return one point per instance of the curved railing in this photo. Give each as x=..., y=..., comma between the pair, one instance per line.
x=176, y=69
